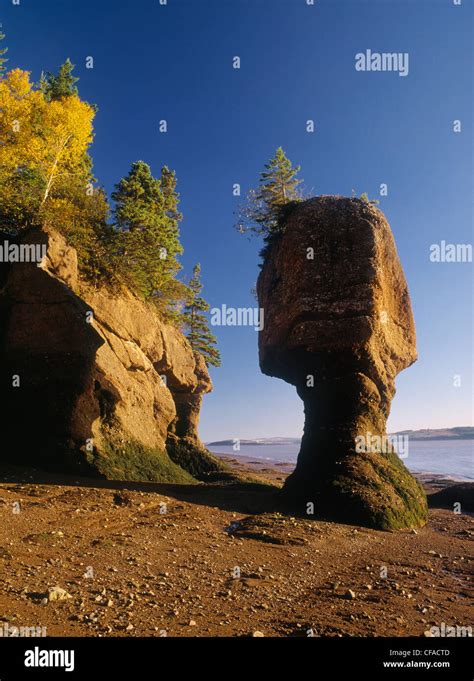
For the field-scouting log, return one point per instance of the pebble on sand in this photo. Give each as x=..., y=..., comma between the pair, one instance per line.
x=56, y=593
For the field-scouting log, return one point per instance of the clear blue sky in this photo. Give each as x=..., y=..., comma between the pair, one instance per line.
x=174, y=62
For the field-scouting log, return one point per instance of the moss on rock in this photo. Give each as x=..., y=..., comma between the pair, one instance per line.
x=194, y=458
x=133, y=461
x=381, y=493
x=375, y=490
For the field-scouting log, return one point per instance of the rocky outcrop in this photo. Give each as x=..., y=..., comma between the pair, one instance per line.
x=95, y=381
x=339, y=326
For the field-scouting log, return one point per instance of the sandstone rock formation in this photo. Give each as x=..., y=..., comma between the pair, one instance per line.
x=339, y=326
x=105, y=386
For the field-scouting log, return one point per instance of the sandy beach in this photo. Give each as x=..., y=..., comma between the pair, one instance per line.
x=147, y=559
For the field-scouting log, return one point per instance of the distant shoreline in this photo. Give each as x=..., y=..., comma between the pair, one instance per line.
x=440, y=434
x=279, y=470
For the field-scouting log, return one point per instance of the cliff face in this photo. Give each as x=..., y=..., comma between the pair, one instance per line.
x=103, y=385
x=339, y=326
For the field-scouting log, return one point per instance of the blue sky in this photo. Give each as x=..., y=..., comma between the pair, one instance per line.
x=174, y=62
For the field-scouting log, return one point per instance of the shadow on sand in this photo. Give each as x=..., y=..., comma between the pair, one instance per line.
x=232, y=493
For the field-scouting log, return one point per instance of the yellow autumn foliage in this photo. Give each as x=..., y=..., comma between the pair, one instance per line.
x=50, y=139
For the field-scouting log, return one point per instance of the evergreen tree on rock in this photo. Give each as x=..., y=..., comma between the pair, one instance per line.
x=199, y=335
x=278, y=186
x=147, y=219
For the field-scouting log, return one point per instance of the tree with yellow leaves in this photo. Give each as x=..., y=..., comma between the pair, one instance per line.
x=45, y=169
x=47, y=140
x=46, y=180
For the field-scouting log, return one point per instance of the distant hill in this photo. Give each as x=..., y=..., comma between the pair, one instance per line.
x=458, y=433
x=259, y=441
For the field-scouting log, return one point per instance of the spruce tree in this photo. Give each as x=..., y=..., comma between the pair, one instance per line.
x=3, y=61
x=147, y=219
x=60, y=86
x=278, y=183
x=199, y=335
x=278, y=187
